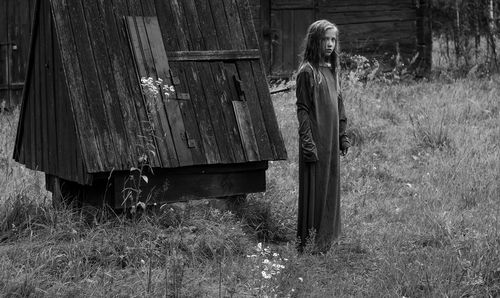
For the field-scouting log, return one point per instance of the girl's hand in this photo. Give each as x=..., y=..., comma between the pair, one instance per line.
x=344, y=145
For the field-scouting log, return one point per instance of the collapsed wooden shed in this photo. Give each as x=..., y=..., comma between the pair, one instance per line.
x=15, y=30
x=374, y=28
x=85, y=122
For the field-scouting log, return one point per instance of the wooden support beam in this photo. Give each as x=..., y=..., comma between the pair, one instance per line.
x=252, y=54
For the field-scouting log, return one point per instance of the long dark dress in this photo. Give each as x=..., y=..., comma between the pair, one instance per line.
x=321, y=116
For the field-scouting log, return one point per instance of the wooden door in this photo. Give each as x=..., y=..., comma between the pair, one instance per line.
x=219, y=112
x=15, y=28
x=289, y=20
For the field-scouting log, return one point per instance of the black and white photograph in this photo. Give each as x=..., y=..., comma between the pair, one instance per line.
x=250, y=148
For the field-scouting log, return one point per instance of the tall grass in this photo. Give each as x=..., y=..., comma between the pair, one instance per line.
x=420, y=215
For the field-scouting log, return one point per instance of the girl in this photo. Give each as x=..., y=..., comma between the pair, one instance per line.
x=322, y=137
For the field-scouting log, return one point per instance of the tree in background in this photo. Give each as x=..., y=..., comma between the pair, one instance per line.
x=463, y=24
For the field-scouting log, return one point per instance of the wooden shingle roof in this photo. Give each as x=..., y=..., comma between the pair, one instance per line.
x=221, y=111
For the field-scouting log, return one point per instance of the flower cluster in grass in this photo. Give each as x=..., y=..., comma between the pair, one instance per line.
x=271, y=264
x=267, y=267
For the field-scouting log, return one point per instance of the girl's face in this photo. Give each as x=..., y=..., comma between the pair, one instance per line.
x=328, y=42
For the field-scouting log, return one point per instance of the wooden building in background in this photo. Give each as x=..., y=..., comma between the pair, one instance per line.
x=373, y=28
x=368, y=27
x=85, y=122
x=15, y=30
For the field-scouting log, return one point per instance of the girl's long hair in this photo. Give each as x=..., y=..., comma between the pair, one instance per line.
x=312, y=45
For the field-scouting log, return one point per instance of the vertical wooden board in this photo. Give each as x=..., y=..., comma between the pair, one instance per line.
x=171, y=107
x=167, y=25
x=207, y=131
x=226, y=93
x=265, y=33
x=158, y=52
x=11, y=18
x=188, y=116
x=50, y=106
x=148, y=8
x=272, y=127
x=92, y=87
x=119, y=72
x=181, y=26
x=193, y=25
x=252, y=98
x=145, y=67
x=221, y=25
x=301, y=24
x=63, y=120
x=42, y=102
x=276, y=63
x=164, y=135
x=143, y=59
x=20, y=35
x=287, y=40
x=231, y=72
x=31, y=137
x=115, y=10
x=3, y=65
x=27, y=136
x=150, y=116
x=247, y=23
x=86, y=126
x=36, y=125
x=207, y=25
x=100, y=49
x=246, y=130
x=68, y=143
x=13, y=28
x=4, y=21
x=215, y=109
x=236, y=26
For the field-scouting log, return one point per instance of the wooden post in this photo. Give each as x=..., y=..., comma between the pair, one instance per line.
x=424, y=37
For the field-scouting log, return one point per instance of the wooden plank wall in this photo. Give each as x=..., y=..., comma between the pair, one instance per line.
x=376, y=26
x=211, y=26
x=15, y=27
x=369, y=28
x=107, y=102
x=424, y=36
x=47, y=137
x=109, y=109
x=289, y=29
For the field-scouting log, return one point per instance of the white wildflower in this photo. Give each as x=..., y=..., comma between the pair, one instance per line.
x=266, y=275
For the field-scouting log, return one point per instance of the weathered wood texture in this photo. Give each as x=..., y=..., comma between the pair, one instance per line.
x=207, y=68
x=185, y=183
x=15, y=29
x=47, y=138
x=367, y=27
x=84, y=111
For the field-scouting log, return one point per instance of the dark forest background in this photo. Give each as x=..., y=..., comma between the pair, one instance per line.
x=467, y=31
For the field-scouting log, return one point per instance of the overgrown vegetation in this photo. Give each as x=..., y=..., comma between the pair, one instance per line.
x=468, y=33
x=419, y=202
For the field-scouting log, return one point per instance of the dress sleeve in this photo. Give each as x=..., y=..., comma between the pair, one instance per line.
x=305, y=93
x=343, y=139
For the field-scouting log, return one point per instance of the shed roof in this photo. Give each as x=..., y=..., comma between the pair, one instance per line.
x=207, y=49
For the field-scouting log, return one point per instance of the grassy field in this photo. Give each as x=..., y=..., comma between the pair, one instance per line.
x=420, y=206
